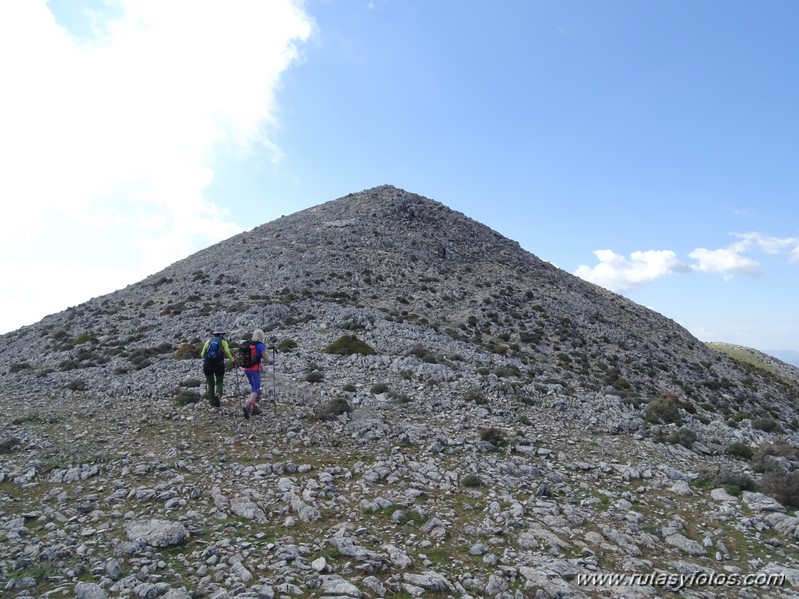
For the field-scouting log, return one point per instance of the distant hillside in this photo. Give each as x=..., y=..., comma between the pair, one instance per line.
x=786, y=355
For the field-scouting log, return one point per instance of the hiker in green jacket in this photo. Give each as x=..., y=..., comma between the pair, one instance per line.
x=213, y=354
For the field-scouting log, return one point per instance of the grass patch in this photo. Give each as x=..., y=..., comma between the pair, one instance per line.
x=742, y=356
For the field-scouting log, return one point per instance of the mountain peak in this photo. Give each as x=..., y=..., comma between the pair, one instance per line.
x=437, y=387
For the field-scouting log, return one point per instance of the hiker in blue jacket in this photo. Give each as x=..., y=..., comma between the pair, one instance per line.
x=253, y=372
x=213, y=354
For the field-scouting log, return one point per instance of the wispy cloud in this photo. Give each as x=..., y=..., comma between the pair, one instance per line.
x=109, y=144
x=620, y=274
x=769, y=244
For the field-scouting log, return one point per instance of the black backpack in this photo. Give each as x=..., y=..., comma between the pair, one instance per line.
x=215, y=353
x=248, y=354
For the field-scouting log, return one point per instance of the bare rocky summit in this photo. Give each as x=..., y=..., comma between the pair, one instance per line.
x=454, y=417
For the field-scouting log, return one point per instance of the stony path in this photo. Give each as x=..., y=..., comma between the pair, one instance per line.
x=130, y=499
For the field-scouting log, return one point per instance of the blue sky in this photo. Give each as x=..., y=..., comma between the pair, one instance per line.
x=648, y=146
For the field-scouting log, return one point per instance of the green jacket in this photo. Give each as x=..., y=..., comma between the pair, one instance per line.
x=224, y=345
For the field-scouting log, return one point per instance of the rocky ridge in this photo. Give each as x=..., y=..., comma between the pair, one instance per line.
x=516, y=431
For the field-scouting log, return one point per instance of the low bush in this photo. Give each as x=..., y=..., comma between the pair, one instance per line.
x=286, y=345
x=663, y=410
x=185, y=397
x=348, y=345
x=332, y=409
x=768, y=425
x=783, y=486
x=472, y=480
x=736, y=483
x=401, y=398
x=315, y=376
x=76, y=385
x=476, y=396
x=8, y=444
x=424, y=354
x=683, y=436
x=740, y=450
x=506, y=371
x=760, y=461
x=188, y=351
x=494, y=436
x=19, y=367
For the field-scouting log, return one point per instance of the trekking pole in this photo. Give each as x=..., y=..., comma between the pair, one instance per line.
x=274, y=383
x=238, y=383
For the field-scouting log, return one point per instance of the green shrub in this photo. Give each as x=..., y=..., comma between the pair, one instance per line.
x=424, y=354
x=378, y=388
x=476, y=396
x=779, y=450
x=663, y=410
x=185, y=397
x=783, y=486
x=8, y=444
x=77, y=385
x=348, y=345
x=188, y=351
x=315, y=376
x=472, y=480
x=621, y=384
x=60, y=335
x=398, y=397
x=506, y=371
x=494, y=436
x=332, y=409
x=768, y=425
x=736, y=483
x=287, y=345
x=683, y=436
x=349, y=388
x=19, y=367
x=740, y=450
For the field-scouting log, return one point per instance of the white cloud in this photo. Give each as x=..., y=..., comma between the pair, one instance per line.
x=726, y=261
x=109, y=145
x=731, y=260
x=619, y=274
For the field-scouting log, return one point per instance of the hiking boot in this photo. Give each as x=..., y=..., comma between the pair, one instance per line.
x=255, y=410
x=246, y=410
x=216, y=402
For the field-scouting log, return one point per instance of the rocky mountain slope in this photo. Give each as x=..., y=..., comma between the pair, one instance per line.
x=454, y=417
